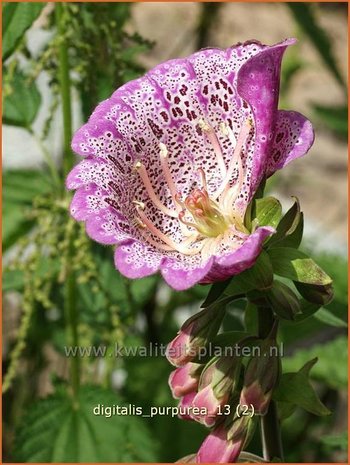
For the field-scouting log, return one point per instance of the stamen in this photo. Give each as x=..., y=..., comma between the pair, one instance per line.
x=187, y=223
x=166, y=170
x=179, y=201
x=203, y=178
x=235, y=158
x=212, y=137
x=140, y=168
x=163, y=237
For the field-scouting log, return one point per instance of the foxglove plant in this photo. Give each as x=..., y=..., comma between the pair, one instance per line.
x=173, y=174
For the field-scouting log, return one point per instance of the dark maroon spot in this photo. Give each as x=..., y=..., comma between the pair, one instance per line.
x=183, y=90
x=205, y=90
x=177, y=99
x=164, y=115
x=115, y=163
x=157, y=131
x=224, y=84
x=277, y=155
x=279, y=137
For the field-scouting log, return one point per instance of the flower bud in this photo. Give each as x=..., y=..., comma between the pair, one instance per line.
x=261, y=376
x=225, y=443
x=194, y=334
x=185, y=379
x=185, y=406
x=217, y=382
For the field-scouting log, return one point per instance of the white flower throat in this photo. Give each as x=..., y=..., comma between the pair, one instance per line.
x=205, y=221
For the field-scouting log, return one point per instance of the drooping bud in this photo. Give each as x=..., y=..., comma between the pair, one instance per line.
x=316, y=294
x=283, y=300
x=225, y=442
x=194, y=334
x=185, y=379
x=185, y=406
x=261, y=376
x=218, y=380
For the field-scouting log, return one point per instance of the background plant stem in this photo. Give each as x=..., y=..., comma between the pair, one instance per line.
x=70, y=307
x=269, y=423
x=64, y=80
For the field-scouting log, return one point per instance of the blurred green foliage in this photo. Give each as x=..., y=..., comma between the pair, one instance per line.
x=103, y=55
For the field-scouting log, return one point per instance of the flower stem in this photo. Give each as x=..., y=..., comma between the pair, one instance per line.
x=64, y=80
x=270, y=425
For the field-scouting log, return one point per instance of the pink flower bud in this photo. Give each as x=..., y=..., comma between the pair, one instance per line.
x=194, y=334
x=185, y=406
x=225, y=442
x=206, y=400
x=261, y=377
x=217, y=449
x=184, y=380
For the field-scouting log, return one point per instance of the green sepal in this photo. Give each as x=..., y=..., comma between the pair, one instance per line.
x=297, y=266
x=215, y=292
x=221, y=341
x=289, y=231
x=267, y=212
x=283, y=301
x=314, y=293
x=296, y=389
x=307, y=309
x=327, y=317
x=259, y=276
x=249, y=210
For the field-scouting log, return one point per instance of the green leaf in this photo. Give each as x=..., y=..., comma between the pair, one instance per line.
x=287, y=226
x=326, y=370
x=285, y=410
x=329, y=319
x=297, y=266
x=20, y=187
x=336, y=118
x=12, y=280
x=251, y=318
x=259, y=276
x=284, y=302
x=55, y=430
x=17, y=18
x=295, y=388
x=143, y=289
x=335, y=442
x=267, y=211
x=22, y=104
x=304, y=16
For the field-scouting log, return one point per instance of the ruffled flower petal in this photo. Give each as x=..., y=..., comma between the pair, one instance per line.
x=212, y=114
x=293, y=137
x=136, y=260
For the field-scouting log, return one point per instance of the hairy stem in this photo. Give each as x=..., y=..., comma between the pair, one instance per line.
x=269, y=423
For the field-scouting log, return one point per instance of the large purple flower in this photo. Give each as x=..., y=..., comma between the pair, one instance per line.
x=174, y=158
